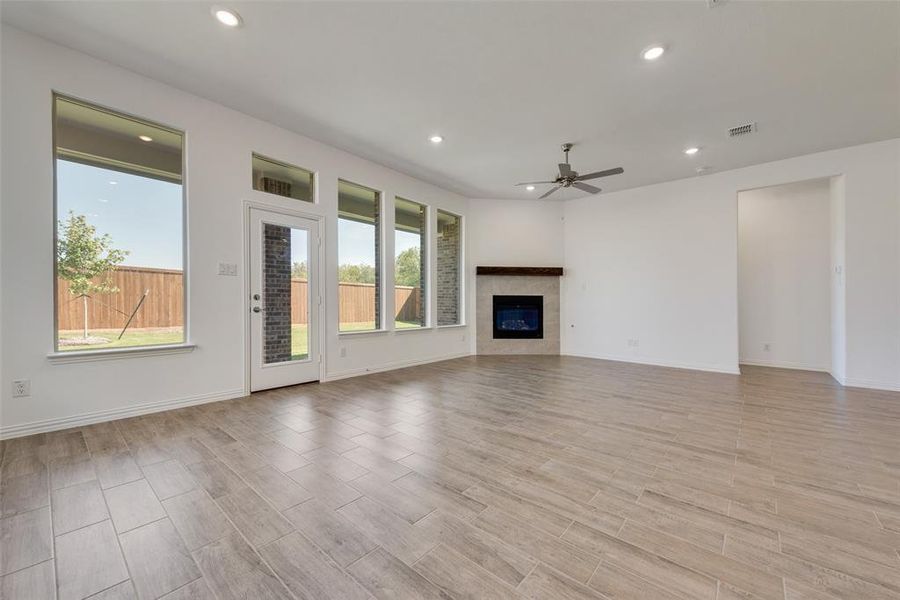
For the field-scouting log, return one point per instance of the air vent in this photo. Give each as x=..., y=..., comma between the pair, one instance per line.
x=742, y=129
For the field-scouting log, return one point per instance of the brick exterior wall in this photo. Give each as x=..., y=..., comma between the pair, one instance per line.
x=277, y=293
x=447, y=276
x=377, y=222
x=423, y=264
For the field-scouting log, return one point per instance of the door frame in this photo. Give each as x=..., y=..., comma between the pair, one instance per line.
x=245, y=287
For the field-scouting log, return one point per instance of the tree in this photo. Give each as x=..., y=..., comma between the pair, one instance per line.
x=361, y=273
x=86, y=260
x=408, y=267
x=299, y=270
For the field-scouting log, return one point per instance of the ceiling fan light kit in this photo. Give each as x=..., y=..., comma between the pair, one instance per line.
x=570, y=178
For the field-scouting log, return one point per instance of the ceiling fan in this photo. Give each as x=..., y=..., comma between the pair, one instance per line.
x=569, y=178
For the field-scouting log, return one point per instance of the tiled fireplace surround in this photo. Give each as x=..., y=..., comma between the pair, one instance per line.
x=517, y=281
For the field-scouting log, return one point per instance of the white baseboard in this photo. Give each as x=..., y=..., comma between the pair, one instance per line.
x=14, y=431
x=732, y=370
x=390, y=367
x=786, y=365
x=889, y=386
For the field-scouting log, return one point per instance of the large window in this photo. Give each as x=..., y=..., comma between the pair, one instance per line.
x=359, y=258
x=410, y=263
x=447, y=276
x=119, y=230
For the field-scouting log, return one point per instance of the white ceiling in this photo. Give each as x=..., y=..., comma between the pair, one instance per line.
x=506, y=83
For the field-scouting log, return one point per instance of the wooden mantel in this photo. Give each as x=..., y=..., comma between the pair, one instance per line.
x=521, y=271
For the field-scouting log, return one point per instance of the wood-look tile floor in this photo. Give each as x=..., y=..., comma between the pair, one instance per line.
x=488, y=477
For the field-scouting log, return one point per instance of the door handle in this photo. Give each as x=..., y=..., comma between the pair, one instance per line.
x=256, y=309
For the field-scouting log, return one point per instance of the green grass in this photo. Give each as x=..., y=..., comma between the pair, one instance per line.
x=132, y=337
x=299, y=342
x=155, y=337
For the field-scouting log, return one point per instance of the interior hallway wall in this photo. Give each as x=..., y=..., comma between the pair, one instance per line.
x=784, y=283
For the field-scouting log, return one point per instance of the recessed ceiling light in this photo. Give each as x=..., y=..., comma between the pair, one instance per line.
x=226, y=16
x=113, y=183
x=436, y=139
x=145, y=138
x=692, y=151
x=653, y=52
x=530, y=188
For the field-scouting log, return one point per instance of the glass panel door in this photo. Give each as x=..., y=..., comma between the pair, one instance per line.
x=284, y=300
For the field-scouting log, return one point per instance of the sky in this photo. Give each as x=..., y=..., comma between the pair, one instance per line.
x=142, y=215
x=357, y=242
x=298, y=245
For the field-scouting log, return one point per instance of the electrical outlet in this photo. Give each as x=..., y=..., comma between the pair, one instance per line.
x=767, y=347
x=21, y=388
x=634, y=343
x=343, y=353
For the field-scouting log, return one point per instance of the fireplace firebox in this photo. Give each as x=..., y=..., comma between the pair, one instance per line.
x=518, y=317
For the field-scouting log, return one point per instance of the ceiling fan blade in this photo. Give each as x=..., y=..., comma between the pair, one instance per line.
x=550, y=192
x=586, y=188
x=535, y=182
x=564, y=169
x=596, y=174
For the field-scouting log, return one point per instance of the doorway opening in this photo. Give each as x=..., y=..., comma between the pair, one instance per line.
x=790, y=276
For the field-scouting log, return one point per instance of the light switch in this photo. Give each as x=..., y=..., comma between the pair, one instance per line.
x=229, y=269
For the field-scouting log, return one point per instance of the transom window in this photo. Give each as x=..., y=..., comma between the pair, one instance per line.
x=283, y=179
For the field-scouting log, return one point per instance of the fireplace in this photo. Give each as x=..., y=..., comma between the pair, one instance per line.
x=517, y=310
x=518, y=317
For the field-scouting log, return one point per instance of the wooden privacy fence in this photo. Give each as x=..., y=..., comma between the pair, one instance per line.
x=164, y=304
x=357, y=302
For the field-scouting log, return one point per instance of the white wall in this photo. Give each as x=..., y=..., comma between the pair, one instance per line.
x=516, y=233
x=838, y=247
x=784, y=275
x=219, y=144
x=659, y=264
x=642, y=265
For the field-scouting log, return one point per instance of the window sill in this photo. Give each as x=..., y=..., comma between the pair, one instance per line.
x=363, y=332
x=411, y=329
x=456, y=326
x=78, y=356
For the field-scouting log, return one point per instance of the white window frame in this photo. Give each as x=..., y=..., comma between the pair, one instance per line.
x=61, y=357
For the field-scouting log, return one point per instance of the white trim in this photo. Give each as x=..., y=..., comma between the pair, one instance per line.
x=391, y=367
x=731, y=370
x=361, y=332
x=100, y=416
x=872, y=384
x=79, y=356
x=785, y=365
x=409, y=329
